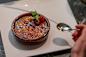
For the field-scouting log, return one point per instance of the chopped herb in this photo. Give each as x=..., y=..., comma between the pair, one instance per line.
x=35, y=15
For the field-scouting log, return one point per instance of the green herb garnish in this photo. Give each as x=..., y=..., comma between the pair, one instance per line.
x=35, y=15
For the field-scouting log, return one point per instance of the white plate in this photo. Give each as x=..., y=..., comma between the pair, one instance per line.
x=57, y=10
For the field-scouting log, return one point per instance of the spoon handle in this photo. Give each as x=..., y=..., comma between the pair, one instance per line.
x=75, y=29
x=71, y=30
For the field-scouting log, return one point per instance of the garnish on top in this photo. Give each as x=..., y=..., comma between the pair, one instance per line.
x=39, y=19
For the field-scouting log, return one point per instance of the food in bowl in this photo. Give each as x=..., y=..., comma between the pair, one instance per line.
x=31, y=28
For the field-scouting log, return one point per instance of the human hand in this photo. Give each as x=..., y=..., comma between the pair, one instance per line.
x=79, y=36
x=81, y=30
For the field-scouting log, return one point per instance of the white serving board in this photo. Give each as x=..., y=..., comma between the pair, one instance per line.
x=57, y=10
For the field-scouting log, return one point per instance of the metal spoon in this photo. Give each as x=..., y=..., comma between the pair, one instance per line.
x=64, y=27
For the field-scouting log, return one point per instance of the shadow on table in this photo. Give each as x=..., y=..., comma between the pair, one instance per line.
x=60, y=42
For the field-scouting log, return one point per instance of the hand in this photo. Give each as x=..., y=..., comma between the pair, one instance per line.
x=79, y=49
x=79, y=32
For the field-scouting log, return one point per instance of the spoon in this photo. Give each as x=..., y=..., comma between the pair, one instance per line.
x=64, y=27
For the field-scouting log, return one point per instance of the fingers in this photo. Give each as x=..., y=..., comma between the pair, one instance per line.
x=84, y=33
x=81, y=41
x=80, y=26
x=78, y=33
x=75, y=35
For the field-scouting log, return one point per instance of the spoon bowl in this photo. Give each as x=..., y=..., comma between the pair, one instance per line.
x=64, y=27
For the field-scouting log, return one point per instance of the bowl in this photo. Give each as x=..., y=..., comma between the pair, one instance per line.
x=28, y=30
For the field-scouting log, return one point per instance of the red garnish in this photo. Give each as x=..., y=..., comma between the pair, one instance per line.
x=41, y=19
